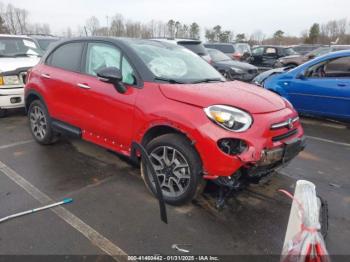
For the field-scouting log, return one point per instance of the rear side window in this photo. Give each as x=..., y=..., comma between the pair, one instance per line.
x=270, y=51
x=67, y=57
x=225, y=48
x=196, y=47
x=339, y=67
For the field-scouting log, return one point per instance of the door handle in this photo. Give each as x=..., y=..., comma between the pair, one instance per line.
x=341, y=84
x=84, y=86
x=47, y=76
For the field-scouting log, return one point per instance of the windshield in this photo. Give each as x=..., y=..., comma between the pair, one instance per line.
x=14, y=47
x=174, y=62
x=196, y=47
x=218, y=56
x=45, y=43
x=242, y=48
x=290, y=51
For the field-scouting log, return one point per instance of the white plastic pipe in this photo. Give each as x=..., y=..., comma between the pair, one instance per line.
x=65, y=201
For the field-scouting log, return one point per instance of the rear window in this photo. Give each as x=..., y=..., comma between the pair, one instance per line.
x=196, y=47
x=223, y=48
x=45, y=43
x=67, y=57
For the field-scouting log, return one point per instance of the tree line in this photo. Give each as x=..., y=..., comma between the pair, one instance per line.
x=119, y=26
x=14, y=20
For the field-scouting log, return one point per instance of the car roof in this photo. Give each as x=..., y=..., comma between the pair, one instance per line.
x=14, y=36
x=175, y=40
x=43, y=37
x=275, y=46
x=218, y=44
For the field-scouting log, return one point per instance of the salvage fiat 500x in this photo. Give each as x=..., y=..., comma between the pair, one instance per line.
x=194, y=125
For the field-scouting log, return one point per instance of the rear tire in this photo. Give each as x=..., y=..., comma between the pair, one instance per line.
x=178, y=167
x=40, y=123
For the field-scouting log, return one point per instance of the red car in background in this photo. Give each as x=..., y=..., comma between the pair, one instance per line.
x=194, y=125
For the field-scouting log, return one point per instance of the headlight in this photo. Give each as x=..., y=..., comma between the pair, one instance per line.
x=230, y=118
x=10, y=80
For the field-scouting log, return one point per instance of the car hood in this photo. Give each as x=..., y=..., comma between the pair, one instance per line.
x=13, y=63
x=234, y=93
x=236, y=64
x=259, y=79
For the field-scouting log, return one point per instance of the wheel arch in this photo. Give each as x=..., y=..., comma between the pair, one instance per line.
x=31, y=96
x=158, y=130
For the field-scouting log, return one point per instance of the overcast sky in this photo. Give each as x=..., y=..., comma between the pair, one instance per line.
x=292, y=16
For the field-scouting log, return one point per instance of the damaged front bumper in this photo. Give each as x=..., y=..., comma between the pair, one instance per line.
x=270, y=161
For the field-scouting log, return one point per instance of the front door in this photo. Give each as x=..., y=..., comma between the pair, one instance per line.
x=110, y=113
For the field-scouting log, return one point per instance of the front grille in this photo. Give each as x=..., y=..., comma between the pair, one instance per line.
x=284, y=136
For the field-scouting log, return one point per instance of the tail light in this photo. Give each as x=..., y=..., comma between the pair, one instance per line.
x=237, y=56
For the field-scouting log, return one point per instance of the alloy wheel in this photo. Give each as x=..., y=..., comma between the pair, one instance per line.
x=38, y=122
x=172, y=169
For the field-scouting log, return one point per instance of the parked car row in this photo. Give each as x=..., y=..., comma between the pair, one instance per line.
x=297, y=59
x=319, y=87
x=195, y=125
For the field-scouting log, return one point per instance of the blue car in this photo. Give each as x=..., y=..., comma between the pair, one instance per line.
x=320, y=87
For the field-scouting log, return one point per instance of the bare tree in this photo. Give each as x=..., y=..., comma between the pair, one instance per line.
x=117, y=26
x=92, y=25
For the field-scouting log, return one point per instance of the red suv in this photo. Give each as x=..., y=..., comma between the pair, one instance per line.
x=194, y=124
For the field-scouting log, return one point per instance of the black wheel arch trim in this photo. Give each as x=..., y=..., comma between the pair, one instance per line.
x=35, y=93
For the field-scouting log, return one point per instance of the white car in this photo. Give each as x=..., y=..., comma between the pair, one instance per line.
x=17, y=55
x=196, y=46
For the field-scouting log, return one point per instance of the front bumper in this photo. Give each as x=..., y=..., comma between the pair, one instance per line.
x=283, y=154
x=11, y=98
x=265, y=146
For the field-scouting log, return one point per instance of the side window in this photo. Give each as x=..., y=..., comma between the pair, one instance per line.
x=339, y=67
x=127, y=72
x=67, y=57
x=100, y=55
x=316, y=71
x=270, y=51
x=258, y=51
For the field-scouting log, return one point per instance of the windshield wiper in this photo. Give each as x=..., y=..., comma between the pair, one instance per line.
x=208, y=80
x=169, y=80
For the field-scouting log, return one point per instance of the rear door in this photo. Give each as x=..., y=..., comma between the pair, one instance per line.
x=59, y=76
x=325, y=90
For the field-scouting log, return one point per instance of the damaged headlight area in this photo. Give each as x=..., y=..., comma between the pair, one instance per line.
x=9, y=80
x=230, y=118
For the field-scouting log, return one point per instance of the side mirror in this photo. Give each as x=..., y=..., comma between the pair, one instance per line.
x=311, y=56
x=112, y=75
x=301, y=76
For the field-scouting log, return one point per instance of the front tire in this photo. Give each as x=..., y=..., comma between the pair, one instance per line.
x=178, y=168
x=40, y=123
